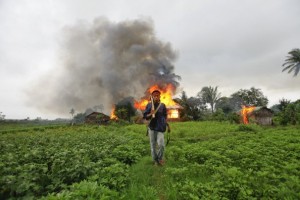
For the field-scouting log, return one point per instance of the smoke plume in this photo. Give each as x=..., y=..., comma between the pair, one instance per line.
x=103, y=62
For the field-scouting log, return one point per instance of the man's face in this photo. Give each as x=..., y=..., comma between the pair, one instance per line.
x=156, y=96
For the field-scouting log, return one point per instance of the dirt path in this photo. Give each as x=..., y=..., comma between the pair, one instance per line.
x=158, y=180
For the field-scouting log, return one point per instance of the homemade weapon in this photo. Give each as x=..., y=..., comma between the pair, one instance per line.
x=152, y=107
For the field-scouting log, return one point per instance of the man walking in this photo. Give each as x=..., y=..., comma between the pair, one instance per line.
x=157, y=113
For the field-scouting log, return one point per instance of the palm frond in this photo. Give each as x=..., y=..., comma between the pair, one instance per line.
x=297, y=69
x=286, y=63
x=287, y=67
x=292, y=63
x=292, y=68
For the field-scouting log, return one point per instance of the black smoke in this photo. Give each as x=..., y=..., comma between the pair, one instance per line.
x=103, y=62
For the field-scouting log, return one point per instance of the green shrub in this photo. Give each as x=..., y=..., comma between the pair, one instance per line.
x=84, y=190
x=245, y=128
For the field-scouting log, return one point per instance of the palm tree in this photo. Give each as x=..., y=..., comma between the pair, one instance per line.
x=72, y=111
x=2, y=116
x=292, y=62
x=210, y=95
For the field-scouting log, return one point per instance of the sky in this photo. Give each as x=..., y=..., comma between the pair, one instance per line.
x=233, y=44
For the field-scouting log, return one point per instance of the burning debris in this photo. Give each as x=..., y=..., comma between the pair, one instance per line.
x=103, y=62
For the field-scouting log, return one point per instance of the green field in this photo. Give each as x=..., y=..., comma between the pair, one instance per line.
x=204, y=160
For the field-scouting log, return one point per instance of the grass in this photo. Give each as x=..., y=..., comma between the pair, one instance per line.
x=204, y=160
x=213, y=160
x=145, y=180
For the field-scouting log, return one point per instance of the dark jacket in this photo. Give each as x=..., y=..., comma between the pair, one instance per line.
x=159, y=122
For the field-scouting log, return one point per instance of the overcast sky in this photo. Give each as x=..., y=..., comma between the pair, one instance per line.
x=232, y=44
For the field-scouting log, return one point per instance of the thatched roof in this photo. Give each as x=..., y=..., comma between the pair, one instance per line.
x=94, y=117
x=258, y=111
x=262, y=112
x=177, y=106
x=260, y=115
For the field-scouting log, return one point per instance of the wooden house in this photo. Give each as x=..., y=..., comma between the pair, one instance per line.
x=261, y=116
x=96, y=118
x=173, y=112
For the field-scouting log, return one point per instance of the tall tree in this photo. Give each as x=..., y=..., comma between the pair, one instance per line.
x=236, y=102
x=252, y=97
x=72, y=112
x=290, y=114
x=183, y=102
x=125, y=108
x=122, y=113
x=292, y=63
x=224, y=103
x=283, y=103
x=193, y=107
x=210, y=95
x=2, y=116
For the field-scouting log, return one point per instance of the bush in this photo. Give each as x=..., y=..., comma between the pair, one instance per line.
x=233, y=118
x=85, y=190
x=246, y=128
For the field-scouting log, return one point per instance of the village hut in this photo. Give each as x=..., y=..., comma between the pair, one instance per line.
x=173, y=112
x=263, y=115
x=96, y=118
x=260, y=115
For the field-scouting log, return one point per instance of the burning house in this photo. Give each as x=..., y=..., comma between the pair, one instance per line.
x=166, y=98
x=258, y=115
x=173, y=112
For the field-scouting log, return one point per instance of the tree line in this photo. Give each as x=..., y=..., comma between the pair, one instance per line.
x=209, y=104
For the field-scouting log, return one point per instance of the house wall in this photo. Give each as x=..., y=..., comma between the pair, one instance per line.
x=264, y=120
x=172, y=113
x=261, y=117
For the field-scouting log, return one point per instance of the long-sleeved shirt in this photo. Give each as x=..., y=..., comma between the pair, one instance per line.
x=159, y=122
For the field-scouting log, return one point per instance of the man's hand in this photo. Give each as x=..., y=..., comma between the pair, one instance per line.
x=151, y=113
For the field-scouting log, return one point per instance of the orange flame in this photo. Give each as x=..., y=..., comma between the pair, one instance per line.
x=245, y=112
x=165, y=96
x=173, y=113
x=112, y=114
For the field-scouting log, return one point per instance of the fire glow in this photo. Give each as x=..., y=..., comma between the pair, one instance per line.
x=165, y=97
x=112, y=114
x=245, y=112
x=173, y=113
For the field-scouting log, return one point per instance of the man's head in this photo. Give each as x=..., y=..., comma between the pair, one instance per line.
x=156, y=95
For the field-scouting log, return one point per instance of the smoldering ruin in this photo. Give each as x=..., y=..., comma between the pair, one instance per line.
x=103, y=62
